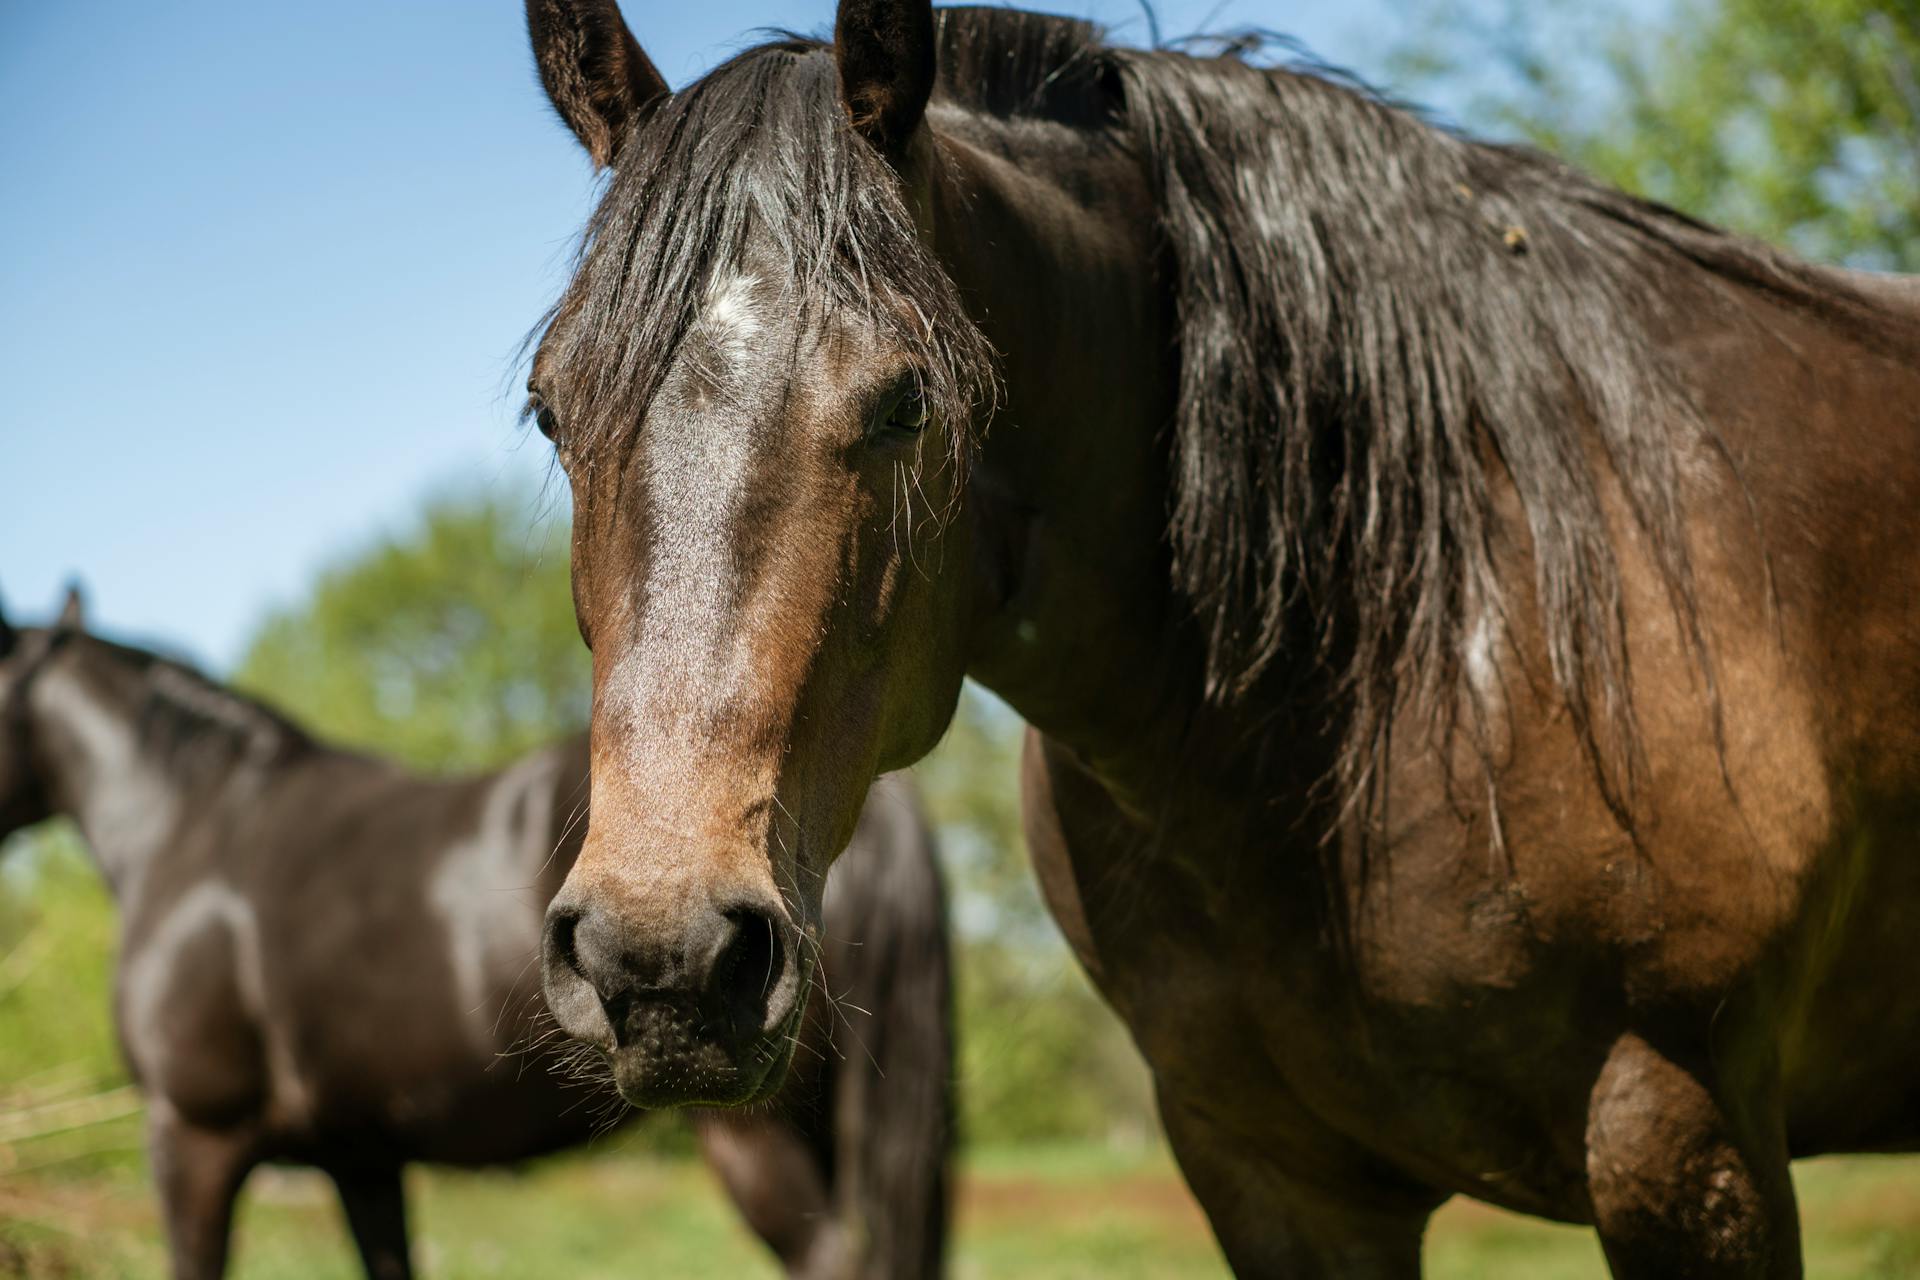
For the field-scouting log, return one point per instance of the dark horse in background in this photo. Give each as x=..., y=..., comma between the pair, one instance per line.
x=1469, y=618
x=329, y=960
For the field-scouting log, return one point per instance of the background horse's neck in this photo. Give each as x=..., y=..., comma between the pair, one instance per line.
x=85, y=720
x=120, y=742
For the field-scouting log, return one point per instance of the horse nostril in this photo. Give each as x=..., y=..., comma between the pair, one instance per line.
x=748, y=970
x=723, y=976
x=573, y=991
x=560, y=929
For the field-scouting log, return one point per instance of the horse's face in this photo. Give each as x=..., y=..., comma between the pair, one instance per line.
x=762, y=584
x=24, y=653
x=21, y=802
x=766, y=566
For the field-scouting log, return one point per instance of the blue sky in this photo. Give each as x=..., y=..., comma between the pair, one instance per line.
x=265, y=269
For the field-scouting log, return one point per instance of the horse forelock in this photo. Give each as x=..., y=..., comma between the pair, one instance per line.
x=757, y=155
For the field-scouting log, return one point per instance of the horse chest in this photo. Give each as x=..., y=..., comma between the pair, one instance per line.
x=1449, y=1062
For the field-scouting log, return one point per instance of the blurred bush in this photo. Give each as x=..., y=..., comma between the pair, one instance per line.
x=449, y=645
x=65, y=1107
x=1794, y=120
x=1041, y=1056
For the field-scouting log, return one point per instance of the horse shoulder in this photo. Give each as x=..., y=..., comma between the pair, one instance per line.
x=189, y=1001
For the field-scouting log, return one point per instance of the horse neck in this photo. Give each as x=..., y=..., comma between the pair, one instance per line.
x=1068, y=498
x=128, y=799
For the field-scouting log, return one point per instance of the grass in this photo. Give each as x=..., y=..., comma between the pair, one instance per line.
x=1062, y=1212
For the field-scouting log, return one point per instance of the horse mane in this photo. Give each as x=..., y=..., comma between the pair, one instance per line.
x=192, y=721
x=1373, y=314
x=1012, y=63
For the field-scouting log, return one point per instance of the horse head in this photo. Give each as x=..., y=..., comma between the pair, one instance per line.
x=760, y=384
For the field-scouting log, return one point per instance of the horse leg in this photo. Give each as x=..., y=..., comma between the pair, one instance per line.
x=776, y=1182
x=376, y=1207
x=198, y=1172
x=1679, y=1183
x=1273, y=1221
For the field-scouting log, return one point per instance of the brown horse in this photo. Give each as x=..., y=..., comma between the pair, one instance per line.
x=328, y=960
x=1467, y=615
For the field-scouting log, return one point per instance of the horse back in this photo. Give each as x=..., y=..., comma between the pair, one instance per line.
x=355, y=947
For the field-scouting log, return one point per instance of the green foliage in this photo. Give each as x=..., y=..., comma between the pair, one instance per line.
x=1794, y=120
x=1041, y=1056
x=449, y=646
x=65, y=1108
x=57, y=931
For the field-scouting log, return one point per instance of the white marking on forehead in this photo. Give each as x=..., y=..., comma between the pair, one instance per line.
x=695, y=648
x=730, y=317
x=483, y=890
x=700, y=468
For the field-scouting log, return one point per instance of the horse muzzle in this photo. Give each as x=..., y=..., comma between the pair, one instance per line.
x=702, y=1014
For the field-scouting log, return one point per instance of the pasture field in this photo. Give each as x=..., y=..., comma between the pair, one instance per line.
x=1059, y=1212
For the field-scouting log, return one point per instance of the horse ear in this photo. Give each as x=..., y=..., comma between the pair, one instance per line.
x=596, y=75
x=884, y=49
x=73, y=613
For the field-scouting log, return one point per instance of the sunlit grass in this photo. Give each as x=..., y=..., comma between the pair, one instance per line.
x=1061, y=1212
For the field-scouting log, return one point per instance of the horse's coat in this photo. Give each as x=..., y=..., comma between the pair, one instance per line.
x=1466, y=614
x=479, y=886
x=325, y=959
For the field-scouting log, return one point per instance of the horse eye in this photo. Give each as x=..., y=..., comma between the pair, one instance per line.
x=909, y=412
x=543, y=416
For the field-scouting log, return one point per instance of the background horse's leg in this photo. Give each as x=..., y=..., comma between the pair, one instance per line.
x=1271, y=1223
x=1681, y=1181
x=198, y=1172
x=376, y=1206
x=887, y=1053
x=777, y=1183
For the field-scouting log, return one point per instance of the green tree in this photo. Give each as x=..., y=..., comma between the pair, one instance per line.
x=450, y=645
x=1041, y=1056
x=1794, y=120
